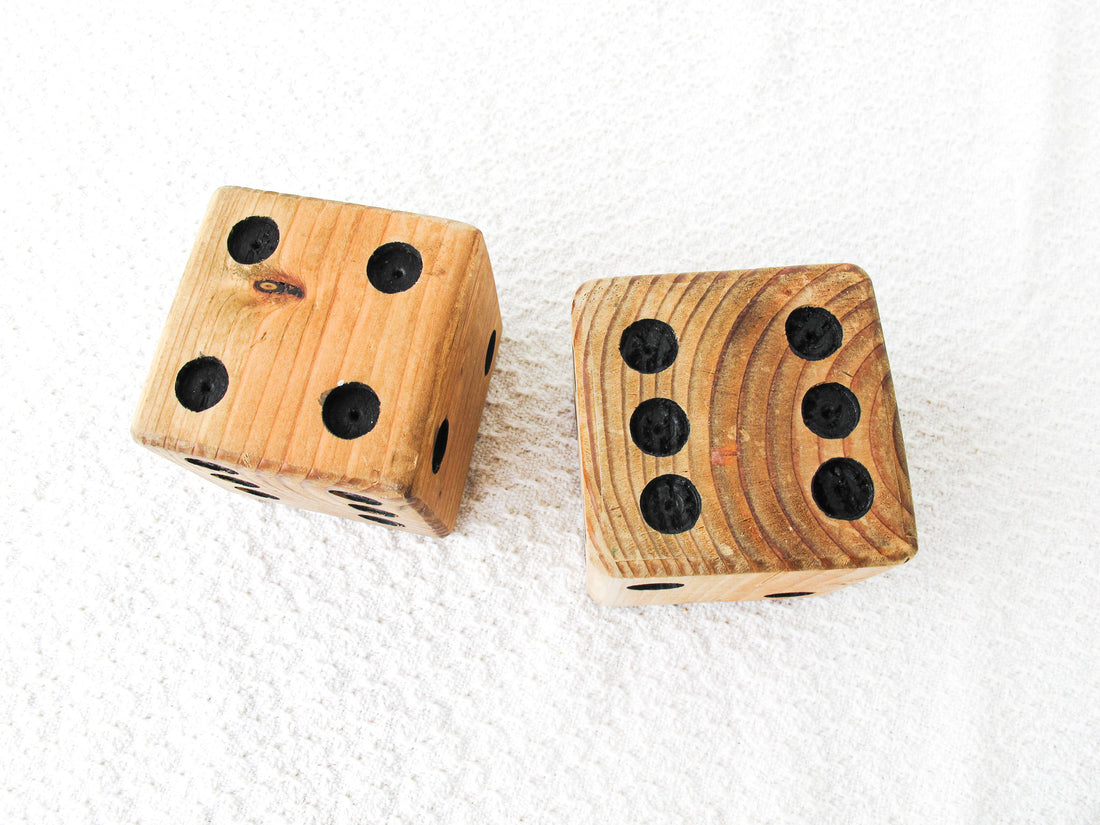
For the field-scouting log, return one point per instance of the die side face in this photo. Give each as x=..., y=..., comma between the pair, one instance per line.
x=323, y=352
x=739, y=436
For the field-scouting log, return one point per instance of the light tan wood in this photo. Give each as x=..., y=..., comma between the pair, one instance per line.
x=306, y=320
x=749, y=454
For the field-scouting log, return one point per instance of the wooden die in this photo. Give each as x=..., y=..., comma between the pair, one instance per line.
x=739, y=437
x=331, y=356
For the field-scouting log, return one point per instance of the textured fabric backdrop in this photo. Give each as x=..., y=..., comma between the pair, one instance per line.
x=172, y=653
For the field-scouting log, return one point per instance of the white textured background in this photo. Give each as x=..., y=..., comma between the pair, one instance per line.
x=171, y=653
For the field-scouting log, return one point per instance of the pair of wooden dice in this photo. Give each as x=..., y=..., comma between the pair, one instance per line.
x=739, y=437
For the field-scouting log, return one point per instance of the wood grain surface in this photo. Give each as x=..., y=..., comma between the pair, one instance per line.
x=306, y=320
x=750, y=453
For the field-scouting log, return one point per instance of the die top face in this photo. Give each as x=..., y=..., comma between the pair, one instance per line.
x=738, y=422
x=335, y=327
